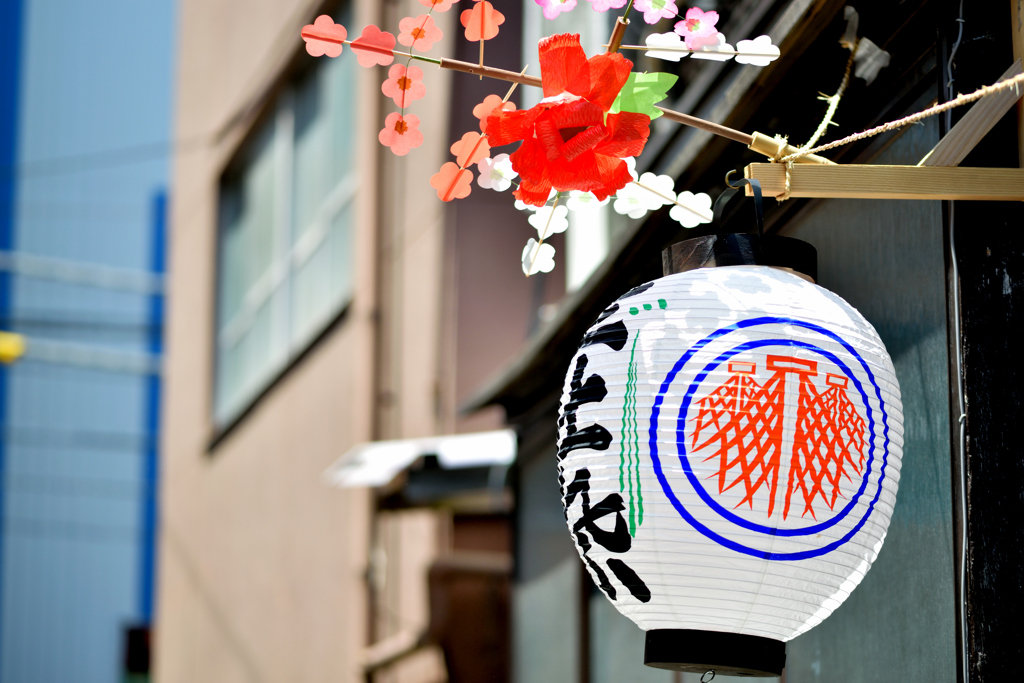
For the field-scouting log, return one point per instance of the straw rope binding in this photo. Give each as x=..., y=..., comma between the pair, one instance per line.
x=959, y=100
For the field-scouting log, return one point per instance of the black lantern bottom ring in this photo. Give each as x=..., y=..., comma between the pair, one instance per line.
x=728, y=654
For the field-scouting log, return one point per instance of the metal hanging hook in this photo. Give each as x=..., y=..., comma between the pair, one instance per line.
x=731, y=189
x=705, y=679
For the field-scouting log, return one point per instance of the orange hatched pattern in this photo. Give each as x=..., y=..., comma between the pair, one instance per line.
x=829, y=439
x=742, y=421
x=745, y=421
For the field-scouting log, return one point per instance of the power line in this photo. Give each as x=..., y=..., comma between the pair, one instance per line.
x=91, y=357
x=75, y=487
x=57, y=321
x=108, y=158
x=81, y=273
x=50, y=438
x=70, y=531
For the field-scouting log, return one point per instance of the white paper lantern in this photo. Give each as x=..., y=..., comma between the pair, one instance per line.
x=729, y=451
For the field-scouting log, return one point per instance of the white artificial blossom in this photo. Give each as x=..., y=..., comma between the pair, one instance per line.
x=496, y=174
x=581, y=201
x=549, y=220
x=538, y=258
x=676, y=48
x=691, y=209
x=671, y=47
x=650, y=192
x=660, y=189
x=633, y=201
x=719, y=51
x=760, y=51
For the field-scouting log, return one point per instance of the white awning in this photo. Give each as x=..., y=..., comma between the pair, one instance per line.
x=378, y=462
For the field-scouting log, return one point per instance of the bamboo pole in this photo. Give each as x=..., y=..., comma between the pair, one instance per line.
x=617, y=33
x=490, y=72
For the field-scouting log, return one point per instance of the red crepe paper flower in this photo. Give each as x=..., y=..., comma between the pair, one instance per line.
x=570, y=141
x=470, y=149
x=374, y=47
x=487, y=107
x=421, y=33
x=324, y=37
x=401, y=133
x=404, y=85
x=452, y=182
x=482, y=21
x=438, y=5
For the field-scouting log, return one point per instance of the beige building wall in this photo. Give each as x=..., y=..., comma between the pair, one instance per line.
x=262, y=570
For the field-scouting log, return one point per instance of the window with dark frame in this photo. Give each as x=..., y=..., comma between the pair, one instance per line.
x=285, y=234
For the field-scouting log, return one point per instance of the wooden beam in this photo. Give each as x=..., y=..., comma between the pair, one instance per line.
x=975, y=125
x=843, y=181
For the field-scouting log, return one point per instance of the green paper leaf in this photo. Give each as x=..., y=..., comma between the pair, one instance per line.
x=642, y=91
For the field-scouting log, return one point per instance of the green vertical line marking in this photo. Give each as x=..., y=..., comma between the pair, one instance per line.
x=630, y=442
x=636, y=442
x=634, y=456
x=636, y=448
x=623, y=443
x=626, y=437
x=631, y=390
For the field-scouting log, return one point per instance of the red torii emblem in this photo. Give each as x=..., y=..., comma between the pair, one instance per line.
x=742, y=421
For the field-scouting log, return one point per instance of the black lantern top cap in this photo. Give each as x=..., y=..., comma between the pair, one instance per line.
x=741, y=249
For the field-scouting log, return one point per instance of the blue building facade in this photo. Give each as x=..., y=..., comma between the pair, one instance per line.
x=85, y=122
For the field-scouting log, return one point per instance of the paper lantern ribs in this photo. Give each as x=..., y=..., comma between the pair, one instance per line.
x=729, y=454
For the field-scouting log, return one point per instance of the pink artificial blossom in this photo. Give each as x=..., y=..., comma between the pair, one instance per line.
x=656, y=10
x=698, y=28
x=483, y=110
x=552, y=8
x=401, y=133
x=324, y=37
x=605, y=5
x=420, y=33
x=404, y=85
x=374, y=47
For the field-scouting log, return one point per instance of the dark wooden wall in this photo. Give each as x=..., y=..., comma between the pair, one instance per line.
x=988, y=241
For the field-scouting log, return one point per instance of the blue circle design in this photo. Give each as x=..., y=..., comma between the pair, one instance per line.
x=681, y=440
x=728, y=514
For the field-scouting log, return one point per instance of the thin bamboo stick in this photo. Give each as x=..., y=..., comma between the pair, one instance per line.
x=686, y=50
x=490, y=72
x=717, y=129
